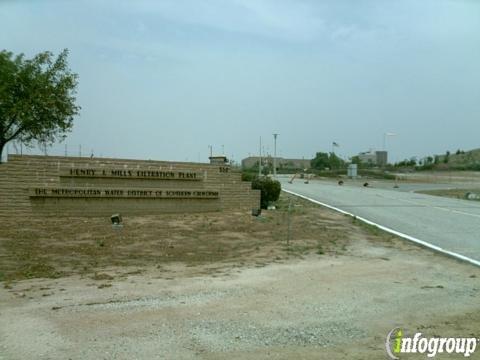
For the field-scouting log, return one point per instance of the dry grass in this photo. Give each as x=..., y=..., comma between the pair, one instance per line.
x=57, y=247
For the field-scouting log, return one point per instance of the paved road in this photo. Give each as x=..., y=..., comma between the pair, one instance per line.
x=451, y=224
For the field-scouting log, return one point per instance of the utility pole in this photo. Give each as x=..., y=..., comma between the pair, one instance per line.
x=384, y=143
x=260, y=159
x=211, y=150
x=275, y=155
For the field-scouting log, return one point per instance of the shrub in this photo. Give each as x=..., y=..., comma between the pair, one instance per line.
x=270, y=190
x=249, y=176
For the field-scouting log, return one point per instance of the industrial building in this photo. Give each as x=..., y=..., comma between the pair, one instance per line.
x=378, y=158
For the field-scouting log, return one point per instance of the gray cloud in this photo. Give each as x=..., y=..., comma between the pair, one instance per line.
x=164, y=79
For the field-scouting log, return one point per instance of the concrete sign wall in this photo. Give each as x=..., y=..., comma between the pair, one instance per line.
x=49, y=185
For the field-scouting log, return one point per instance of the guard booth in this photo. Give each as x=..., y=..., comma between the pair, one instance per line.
x=352, y=171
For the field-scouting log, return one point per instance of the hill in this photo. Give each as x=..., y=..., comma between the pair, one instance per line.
x=459, y=160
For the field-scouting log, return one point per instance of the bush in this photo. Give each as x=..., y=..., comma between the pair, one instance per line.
x=249, y=176
x=270, y=190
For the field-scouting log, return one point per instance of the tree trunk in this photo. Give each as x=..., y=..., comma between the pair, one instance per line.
x=2, y=145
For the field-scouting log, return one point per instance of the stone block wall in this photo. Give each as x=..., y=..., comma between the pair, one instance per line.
x=73, y=186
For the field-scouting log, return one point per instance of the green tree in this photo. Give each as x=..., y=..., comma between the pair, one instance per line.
x=356, y=160
x=446, y=157
x=320, y=162
x=324, y=160
x=37, y=102
x=335, y=162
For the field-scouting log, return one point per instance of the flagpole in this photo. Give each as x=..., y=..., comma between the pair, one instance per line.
x=333, y=146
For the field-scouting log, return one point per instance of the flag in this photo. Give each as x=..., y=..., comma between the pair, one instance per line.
x=335, y=144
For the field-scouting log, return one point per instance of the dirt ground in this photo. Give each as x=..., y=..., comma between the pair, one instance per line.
x=59, y=247
x=223, y=285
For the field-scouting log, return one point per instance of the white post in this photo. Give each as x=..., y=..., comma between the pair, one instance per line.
x=275, y=155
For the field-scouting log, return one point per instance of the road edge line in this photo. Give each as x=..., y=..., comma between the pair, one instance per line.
x=391, y=231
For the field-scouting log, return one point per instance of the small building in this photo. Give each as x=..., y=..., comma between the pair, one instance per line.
x=218, y=160
x=352, y=171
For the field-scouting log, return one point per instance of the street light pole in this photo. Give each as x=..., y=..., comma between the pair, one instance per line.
x=275, y=155
x=260, y=159
x=385, y=140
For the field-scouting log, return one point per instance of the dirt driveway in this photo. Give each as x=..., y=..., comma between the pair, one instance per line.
x=334, y=293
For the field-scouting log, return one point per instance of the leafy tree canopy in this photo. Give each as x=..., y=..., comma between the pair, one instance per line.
x=37, y=102
x=320, y=161
x=324, y=160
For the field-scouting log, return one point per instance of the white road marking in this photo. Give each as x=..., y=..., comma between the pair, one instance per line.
x=391, y=231
x=430, y=206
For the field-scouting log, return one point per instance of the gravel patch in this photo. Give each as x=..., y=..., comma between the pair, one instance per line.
x=219, y=336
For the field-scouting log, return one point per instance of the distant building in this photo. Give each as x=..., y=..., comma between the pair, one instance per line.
x=379, y=158
x=287, y=164
x=382, y=158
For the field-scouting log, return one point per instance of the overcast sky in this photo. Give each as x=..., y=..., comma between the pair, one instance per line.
x=165, y=79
